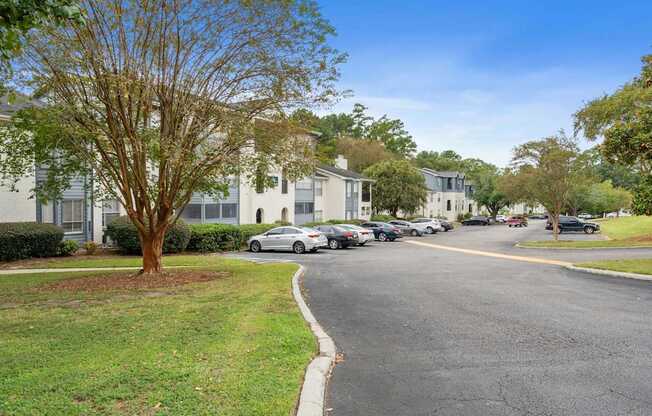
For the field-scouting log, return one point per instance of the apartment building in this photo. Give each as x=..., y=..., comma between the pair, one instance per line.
x=449, y=195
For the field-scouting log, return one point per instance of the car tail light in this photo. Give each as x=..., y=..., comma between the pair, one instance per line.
x=348, y=234
x=313, y=235
x=396, y=230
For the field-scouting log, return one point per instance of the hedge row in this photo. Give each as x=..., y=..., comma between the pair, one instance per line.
x=22, y=240
x=125, y=234
x=207, y=238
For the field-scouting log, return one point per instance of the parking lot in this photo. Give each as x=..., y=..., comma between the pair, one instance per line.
x=425, y=331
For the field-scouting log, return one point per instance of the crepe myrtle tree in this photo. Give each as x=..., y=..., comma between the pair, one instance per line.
x=545, y=171
x=164, y=98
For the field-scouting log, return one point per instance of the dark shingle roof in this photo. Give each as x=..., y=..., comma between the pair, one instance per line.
x=445, y=174
x=342, y=172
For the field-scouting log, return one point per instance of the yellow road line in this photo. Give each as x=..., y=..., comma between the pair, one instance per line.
x=492, y=254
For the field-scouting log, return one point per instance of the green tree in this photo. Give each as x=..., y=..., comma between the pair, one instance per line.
x=624, y=119
x=399, y=186
x=448, y=160
x=603, y=197
x=393, y=135
x=544, y=171
x=170, y=99
x=642, y=201
x=486, y=191
x=361, y=154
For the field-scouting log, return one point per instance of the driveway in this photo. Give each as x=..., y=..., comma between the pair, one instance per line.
x=426, y=331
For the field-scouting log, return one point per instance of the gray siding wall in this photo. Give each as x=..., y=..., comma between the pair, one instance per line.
x=77, y=190
x=433, y=183
x=351, y=202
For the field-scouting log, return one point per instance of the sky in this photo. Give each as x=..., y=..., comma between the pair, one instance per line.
x=481, y=77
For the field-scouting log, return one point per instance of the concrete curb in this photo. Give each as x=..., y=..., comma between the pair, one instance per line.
x=611, y=273
x=311, y=400
x=518, y=245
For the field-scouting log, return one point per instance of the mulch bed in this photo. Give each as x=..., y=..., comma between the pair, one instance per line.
x=131, y=281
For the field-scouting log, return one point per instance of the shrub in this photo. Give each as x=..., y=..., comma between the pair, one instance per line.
x=280, y=223
x=382, y=218
x=207, y=238
x=22, y=240
x=68, y=248
x=90, y=247
x=125, y=234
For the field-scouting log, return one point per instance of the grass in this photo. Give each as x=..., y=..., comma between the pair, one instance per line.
x=82, y=261
x=635, y=231
x=640, y=266
x=232, y=346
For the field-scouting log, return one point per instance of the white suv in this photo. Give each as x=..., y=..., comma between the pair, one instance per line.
x=430, y=225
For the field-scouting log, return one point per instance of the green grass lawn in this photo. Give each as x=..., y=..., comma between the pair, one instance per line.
x=113, y=261
x=641, y=266
x=232, y=346
x=635, y=231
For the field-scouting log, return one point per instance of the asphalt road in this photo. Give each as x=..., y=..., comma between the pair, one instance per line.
x=426, y=331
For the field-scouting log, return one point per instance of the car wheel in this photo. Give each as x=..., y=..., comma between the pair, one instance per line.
x=430, y=230
x=382, y=237
x=510, y=225
x=254, y=247
x=414, y=233
x=589, y=230
x=333, y=244
x=299, y=247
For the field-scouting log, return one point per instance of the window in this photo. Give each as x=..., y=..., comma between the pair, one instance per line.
x=305, y=184
x=110, y=211
x=273, y=180
x=290, y=230
x=212, y=211
x=229, y=210
x=449, y=184
x=192, y=213
x=470, y=208
x=318, y=188
x=448, y=205
x=366, y=192
x=349, y=189
x=73, y=215
x=284, y=186
x=47, y=213
x=304, y=208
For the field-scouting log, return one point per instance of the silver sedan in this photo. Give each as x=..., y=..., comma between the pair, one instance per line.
x=297, y=239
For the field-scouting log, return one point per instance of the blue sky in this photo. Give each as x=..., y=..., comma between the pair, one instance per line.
x=480, y=77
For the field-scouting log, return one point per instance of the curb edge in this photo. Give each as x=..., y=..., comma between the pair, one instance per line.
x=611, y=273
x=313, y=390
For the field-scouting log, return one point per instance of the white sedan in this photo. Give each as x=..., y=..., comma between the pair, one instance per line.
x=364, y=235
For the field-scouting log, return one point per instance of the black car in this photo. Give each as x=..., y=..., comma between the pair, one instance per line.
x=447, y=226
x=338, y=237
x=477, y=220
x=567, y=224
x=382, y=230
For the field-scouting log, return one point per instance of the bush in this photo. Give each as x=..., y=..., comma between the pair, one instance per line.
x=90, y=247
x=22, y=240
x=125, y=234
x=208, y=238
x=68, y=248
x=382, y=218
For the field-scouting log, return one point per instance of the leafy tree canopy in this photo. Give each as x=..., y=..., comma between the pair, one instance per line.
x=399, y=186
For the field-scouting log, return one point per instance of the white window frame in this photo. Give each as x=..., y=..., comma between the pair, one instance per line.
x=80, y=211
x=110, y=207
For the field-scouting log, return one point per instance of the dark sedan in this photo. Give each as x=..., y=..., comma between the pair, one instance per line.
x=567, y=224
x=338, y=237
x=382, y=230
x=477, y=220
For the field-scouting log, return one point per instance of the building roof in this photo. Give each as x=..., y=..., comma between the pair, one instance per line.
x=344, y=173
x=445, y=174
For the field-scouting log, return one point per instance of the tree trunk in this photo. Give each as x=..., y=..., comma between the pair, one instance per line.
x=555, y=226
x=152, y=246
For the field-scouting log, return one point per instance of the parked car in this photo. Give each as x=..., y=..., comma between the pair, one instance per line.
x=431, y=225
x=382, y=230
x=297, y=239
x=517, y=221
x=338, y=237
x=407, y=228
x=619, y=214
x=477, y=220
x=538, y=217
x=364, y=235
x=585, y=216
x=447, y=226
x=501, y=218
x=567, y=223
